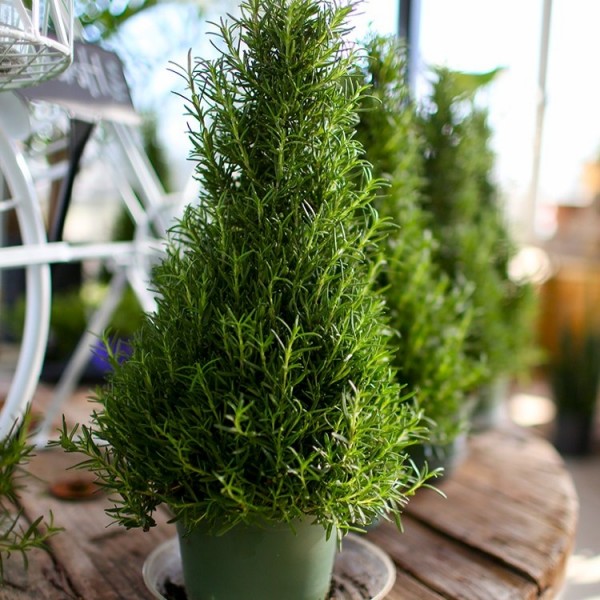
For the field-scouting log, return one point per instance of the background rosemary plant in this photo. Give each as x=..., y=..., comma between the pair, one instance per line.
x=475, y=244
x=261, y=388
x=430, y=314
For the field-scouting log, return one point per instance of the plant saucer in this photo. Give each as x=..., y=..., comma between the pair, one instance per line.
x=361, y=571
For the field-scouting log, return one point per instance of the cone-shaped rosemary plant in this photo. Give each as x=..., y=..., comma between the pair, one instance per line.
x=475, y=243
x=431, y=316
x=261, y=388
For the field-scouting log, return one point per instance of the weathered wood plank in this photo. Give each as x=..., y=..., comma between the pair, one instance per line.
x=42, y=580
x=530, y=544
x=494, y=506
x=448, y=568
x=101, y=561
x=407, y=588
x=527, y=458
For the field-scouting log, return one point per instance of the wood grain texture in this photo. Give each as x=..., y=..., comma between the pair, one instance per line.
x=449, y=568
x=99, y=560
x=44, y=579
x=512, y=499
x=504, y=532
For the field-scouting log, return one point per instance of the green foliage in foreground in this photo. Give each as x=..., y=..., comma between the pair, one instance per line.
x=261, y=388
x=431, y=315
x=16, y=535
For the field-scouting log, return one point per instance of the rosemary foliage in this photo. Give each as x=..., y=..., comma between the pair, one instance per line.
x=261, y=388
x=474, y=241
x=16, y=535
x=430, y=314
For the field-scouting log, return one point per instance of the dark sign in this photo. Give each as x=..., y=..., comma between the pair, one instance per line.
x=93, y=88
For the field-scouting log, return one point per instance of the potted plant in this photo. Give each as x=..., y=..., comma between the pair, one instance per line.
x=475, y=245
x=258, y=402
x=430, y=314
x=574, y=380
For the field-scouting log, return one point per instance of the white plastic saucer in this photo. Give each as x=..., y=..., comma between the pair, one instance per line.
x=361, y=571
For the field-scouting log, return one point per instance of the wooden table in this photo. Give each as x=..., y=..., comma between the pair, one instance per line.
x=505, y=531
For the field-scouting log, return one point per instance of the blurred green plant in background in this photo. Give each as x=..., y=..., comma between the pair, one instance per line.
x=430, y=314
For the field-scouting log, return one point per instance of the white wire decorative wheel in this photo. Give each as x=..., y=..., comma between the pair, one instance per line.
x=36, y=41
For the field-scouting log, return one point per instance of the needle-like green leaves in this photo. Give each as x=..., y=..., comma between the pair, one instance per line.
x=431, y=313
x=261, y=388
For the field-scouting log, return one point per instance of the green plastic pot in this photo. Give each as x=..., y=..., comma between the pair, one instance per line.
x=260, y=562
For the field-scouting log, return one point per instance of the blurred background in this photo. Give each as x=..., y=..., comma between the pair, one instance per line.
x=542, y=111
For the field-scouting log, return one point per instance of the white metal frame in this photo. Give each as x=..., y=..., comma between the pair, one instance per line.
x=13, y=170
x=130, y=263
x=36, y=43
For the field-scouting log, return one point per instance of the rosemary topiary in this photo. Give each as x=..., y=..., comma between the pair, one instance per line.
x=474, y=241
x=261, y=388
x=430, y=314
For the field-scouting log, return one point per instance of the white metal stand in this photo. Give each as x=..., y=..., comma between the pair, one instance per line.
x=37, y=301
